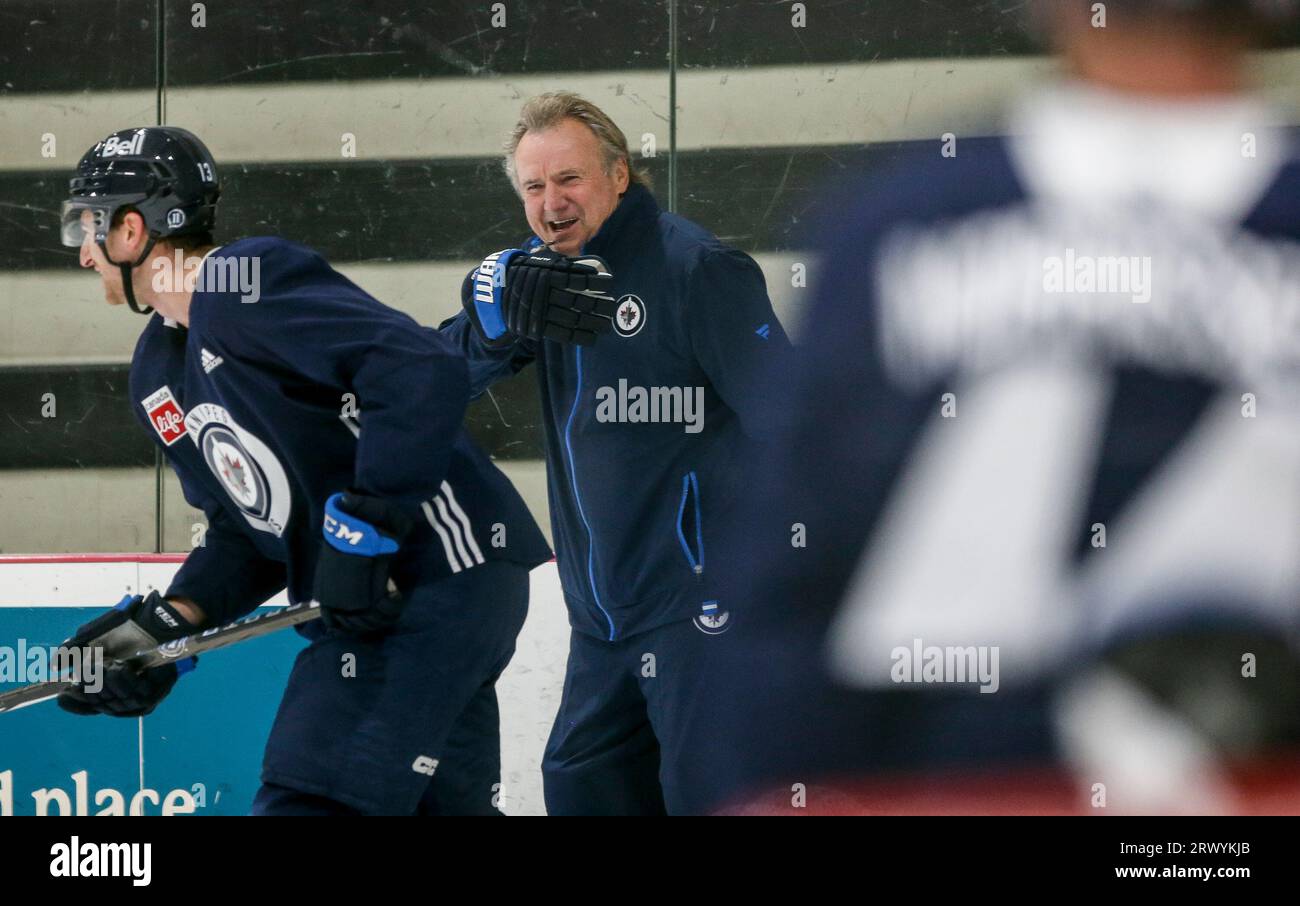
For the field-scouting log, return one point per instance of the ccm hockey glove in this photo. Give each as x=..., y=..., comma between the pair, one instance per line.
x=362, y=534
x=137, y=623
x=515, y=294
x=127, y=692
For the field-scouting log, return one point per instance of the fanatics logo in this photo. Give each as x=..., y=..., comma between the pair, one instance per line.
x=210, y=361
x=165, y=415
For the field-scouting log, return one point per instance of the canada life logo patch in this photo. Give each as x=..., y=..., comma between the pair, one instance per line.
x=165, y=415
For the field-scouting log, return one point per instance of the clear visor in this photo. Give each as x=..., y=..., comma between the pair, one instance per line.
x=84, y=216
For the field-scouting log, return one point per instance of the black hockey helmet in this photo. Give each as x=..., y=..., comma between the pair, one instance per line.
x=163, y=172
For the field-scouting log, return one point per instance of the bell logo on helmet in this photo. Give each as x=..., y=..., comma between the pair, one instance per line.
x=116, y=147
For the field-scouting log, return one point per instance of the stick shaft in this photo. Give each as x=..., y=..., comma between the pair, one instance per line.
x=259, y=624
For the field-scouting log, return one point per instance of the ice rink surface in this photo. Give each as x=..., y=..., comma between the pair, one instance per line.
x=529, y=693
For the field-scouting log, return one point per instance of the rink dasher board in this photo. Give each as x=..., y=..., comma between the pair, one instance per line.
x=87, y=580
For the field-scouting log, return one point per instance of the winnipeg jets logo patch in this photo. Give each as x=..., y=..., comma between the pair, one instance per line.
x=629, y=315
x=247, y=469
x=210, y=361
x=165, y=415
x=711, y=620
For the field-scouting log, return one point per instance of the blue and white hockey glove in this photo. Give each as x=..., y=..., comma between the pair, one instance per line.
x=362, y=535
x=137, y=623
x=516, y=294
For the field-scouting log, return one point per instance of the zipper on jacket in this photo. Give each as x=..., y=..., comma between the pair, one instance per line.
x=577, y=499
x=691, y=494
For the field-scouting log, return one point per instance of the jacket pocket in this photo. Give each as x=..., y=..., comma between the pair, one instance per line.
x=690, y=529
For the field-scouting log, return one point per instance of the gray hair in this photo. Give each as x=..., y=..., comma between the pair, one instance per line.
x=546, y=111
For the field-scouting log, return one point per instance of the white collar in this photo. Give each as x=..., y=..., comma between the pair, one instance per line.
x=1087, y=145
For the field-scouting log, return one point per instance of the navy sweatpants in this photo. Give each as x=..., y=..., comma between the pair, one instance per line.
x=635, y=719
x=406, y=723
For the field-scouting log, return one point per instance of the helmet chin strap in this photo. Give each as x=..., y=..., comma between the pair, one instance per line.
x=125, y=270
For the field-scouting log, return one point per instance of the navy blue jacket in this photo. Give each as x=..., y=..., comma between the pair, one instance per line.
x=264, y=409
x=635, y=505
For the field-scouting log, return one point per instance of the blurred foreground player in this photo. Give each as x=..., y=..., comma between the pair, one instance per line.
x=320, y=432
x=1043, y=453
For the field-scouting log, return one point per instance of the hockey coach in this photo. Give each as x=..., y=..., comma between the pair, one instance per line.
x=648, y=406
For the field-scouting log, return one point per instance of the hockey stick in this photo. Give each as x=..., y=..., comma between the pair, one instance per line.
x=259, y=624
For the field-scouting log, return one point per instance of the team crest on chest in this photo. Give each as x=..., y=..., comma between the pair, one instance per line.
x=247, y=468
x=629, y=315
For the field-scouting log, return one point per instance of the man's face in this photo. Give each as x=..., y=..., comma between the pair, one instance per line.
x=93, y=256
x=567, y=193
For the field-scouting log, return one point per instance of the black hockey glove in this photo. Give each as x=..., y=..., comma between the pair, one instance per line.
x=127, y=692
x=362, y=534
x=514, y=294
x=137, y=623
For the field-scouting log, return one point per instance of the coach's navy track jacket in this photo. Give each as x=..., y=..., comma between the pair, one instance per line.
x=635, y=503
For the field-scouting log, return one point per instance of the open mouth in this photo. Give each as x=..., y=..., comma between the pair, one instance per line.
x=559, y=227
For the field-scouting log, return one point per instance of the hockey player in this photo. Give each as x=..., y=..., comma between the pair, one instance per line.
x=320, y=432
x=646, y=423
x=1045, y=446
